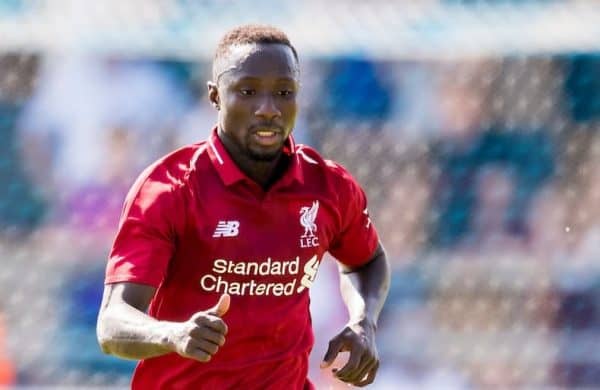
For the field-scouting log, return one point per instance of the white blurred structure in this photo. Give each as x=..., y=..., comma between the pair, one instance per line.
x=378, y=29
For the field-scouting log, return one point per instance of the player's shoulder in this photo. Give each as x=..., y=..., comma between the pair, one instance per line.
x=178, y=162
x=172, y=169
x=313, y=160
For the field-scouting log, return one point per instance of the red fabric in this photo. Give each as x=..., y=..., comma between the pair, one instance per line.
x=195, y=227
x=283, y=374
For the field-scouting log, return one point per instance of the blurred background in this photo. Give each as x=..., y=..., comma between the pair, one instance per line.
x=474, y=127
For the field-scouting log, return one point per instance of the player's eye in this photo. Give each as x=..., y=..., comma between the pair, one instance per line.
x=286, y=93
x=247, y=91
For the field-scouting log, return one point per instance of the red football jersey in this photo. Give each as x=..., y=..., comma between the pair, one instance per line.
x=195, y=227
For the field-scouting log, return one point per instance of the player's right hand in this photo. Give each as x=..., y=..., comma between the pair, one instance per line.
x=201, y=336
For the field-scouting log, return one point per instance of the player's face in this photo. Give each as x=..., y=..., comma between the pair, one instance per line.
x=256, y=95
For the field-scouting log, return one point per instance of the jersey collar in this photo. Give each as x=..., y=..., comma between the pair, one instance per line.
x=231, y=174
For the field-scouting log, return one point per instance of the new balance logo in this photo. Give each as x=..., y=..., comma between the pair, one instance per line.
x=227, y=229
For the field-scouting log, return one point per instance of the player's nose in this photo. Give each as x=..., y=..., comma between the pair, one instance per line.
x=267, y=109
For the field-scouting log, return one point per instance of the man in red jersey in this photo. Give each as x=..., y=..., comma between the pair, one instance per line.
x=219, y=242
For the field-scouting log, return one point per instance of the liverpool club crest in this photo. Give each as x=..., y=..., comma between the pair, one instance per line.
x=308, y=215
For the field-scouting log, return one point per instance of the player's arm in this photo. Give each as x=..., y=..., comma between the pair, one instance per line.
x=125, y=330
x=364, y=290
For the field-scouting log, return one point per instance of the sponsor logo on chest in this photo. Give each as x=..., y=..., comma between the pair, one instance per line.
x=227, y=229
x=263, y=277
x=267, y=276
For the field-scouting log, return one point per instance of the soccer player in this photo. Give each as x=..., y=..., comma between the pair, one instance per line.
x=219, y=242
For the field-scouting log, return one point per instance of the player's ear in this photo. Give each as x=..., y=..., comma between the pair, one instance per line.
x=213, y=94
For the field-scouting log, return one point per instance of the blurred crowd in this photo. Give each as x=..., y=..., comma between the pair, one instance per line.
x=482, y=179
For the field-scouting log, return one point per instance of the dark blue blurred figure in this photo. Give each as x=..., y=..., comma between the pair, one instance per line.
x=582, y=86
x=21, y=208
x=578, y=315
x=527, y=153
x=356, y=92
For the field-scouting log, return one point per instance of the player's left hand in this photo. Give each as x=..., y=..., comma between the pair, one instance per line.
x=359, y=340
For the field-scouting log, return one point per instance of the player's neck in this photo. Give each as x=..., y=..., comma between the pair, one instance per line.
x=264, y=173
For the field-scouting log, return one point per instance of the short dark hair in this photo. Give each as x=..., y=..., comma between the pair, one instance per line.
x=252, y=34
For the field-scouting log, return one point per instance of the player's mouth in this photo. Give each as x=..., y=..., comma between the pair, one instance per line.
x=268, y=137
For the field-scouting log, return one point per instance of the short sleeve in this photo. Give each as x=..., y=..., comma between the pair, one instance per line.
x=357, y=239
x=145, y=240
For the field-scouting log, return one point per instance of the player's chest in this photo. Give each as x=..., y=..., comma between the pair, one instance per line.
x=286, y=224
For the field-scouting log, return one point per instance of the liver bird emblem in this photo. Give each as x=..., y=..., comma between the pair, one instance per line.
x=307, y=219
